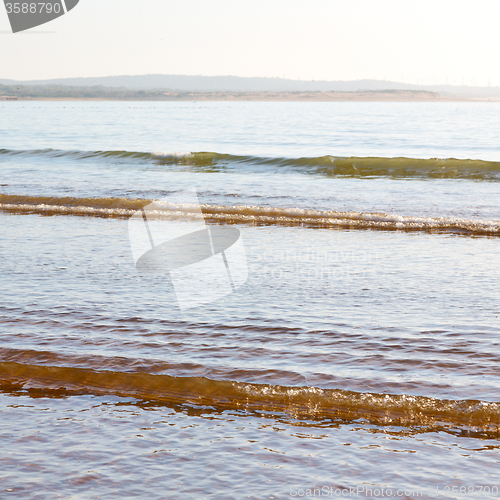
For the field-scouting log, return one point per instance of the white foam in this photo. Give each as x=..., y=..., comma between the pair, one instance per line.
x=171, y=155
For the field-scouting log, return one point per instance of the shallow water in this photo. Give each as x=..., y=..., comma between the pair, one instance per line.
x=361, y=353
x=85, y=446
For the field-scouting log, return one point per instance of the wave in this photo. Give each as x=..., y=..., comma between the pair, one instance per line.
x=246, y=214
x=24, y=370
x=331, y=166
x=79, y=155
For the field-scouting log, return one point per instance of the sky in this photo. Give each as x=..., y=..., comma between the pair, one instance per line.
x=425, y=42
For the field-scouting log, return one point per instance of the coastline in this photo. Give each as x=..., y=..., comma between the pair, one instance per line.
x=368, y=96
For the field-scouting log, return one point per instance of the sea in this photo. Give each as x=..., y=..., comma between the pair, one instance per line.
x=355, y=352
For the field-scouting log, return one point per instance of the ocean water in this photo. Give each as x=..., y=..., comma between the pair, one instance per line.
x=359, y=358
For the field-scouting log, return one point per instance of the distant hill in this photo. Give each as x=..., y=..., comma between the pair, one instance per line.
x=185, y=83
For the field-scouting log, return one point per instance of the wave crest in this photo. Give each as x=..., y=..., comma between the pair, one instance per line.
x=328, y=165
x=247, y=214
x=311, y=403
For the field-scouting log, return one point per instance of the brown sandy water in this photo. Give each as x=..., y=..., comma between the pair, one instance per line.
x=310, y=376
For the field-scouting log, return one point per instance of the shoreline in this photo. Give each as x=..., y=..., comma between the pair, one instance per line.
x=368, y=96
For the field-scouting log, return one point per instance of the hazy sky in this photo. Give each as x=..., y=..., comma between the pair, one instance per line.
x=437, y=41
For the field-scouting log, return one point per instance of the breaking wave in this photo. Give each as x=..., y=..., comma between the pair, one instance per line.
x=247, y=214
x=24, y=370
x=327, y=165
